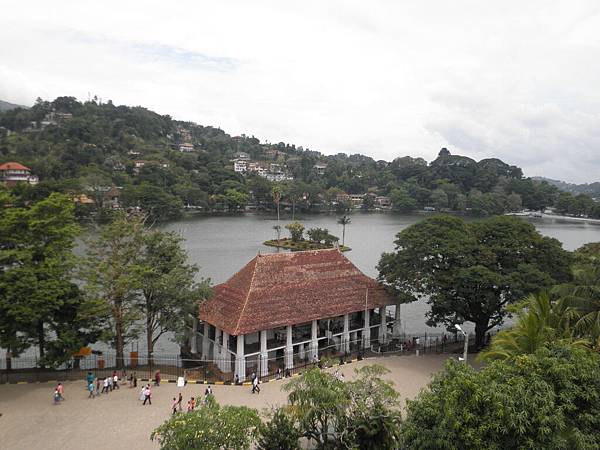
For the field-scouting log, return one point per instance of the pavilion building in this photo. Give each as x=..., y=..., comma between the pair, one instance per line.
x=289, y=307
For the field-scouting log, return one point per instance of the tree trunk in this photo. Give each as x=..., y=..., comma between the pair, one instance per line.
x=119, y=343
x=480, y=330
x=343, y=235
x=41, y=340
x=149, y=341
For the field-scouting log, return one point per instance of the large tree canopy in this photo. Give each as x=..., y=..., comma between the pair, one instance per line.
x=550, y=399
x=470, y=271
x=38, y=296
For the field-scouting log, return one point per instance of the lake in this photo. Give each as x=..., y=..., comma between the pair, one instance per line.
x=221, y=245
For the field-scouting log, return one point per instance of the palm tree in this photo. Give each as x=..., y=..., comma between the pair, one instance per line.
x=343, y=221
x=539, y=322
x=584, y=294
x=277, y=228
x=276, y=194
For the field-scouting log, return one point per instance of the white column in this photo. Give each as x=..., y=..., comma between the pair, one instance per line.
x=194, y=337
x=383, y=324
x=225, y=356
x=397, y=330
x=346, y=334
x=240, y=359
x=217, y=348
x=289, y=348
x=367, y=330
x=205, y=342
x=314, y=342
x=264, y=354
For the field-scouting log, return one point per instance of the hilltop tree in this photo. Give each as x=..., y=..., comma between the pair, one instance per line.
x=472, y=271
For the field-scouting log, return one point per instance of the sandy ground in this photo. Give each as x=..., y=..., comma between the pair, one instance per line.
x=118, y=420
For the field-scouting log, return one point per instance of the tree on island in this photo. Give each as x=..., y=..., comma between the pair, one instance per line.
x=472, y=271
x=296, y=230
x=343, y=221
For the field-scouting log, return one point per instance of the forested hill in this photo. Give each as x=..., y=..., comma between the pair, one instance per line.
x=591, y=189
x=5, y=106
x=120, y=156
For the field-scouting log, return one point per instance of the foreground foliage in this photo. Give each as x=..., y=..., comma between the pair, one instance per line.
x=209, y=427
x=550, y=399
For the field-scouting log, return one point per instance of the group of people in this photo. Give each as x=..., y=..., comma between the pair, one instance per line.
x=106, y=384
x=192, y=402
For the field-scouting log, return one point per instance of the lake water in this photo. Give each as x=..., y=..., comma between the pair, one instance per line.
x=221, y=245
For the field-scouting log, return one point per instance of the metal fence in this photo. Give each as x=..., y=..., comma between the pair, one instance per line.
x=143, y=367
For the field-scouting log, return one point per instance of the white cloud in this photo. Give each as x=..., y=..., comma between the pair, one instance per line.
x=515, y=80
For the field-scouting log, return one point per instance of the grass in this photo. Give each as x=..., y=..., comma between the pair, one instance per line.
x=302, y=245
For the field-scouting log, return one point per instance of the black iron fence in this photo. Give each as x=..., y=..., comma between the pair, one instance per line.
x=171, y=367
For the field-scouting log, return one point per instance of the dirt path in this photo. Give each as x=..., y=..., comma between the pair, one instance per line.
x=118, y=420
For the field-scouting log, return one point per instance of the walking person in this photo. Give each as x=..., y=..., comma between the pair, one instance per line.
x=174, y=406
x=148, y=395
x=179, y=400
x=142, y=394
x=56, y=396
x=91, y=389
x=255, y=387
x=110, y=383
x=189, y=405
x=116, y=381
x=134, y=380
x=97, y=385
x=193, y=403
x=105, y=385
x=157, y=378
x=60, y=390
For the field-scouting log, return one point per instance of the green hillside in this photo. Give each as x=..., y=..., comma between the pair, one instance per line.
x=163, y=166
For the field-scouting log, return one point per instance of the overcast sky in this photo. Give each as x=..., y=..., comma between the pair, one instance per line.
x=517, y=80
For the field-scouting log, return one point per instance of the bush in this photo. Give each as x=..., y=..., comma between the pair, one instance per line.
x=279, y=433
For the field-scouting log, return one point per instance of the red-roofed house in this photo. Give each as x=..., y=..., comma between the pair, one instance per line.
x=12, y=173
x=290, y=304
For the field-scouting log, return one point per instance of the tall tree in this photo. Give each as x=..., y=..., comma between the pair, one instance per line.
x=39, y=301
x=112, y=274
x=169, y=294
x=343, y=221
x=472, y=271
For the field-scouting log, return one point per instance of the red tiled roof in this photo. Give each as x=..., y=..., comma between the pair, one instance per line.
x=13, y=166
x=279, y=289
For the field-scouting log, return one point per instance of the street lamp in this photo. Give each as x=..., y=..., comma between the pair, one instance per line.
x=464, y=358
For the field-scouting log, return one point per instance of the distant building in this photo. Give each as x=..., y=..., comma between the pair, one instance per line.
x=320, y=168
x=242, y=156
x=111, y=198
x=383, y=202
x=186, y=148
x=356, y=199
x=12, y=173
x=240, y=166
x=271, y=153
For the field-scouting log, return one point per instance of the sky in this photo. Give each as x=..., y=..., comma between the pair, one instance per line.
x=515, y=80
